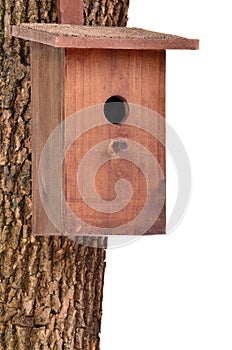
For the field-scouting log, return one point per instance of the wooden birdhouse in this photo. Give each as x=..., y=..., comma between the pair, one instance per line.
x=98, y=112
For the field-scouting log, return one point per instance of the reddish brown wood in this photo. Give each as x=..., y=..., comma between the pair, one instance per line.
x=47, y=74
x=70, y=12
x=137, y=76
x=67, y=81
x=73, y=71
x=75, y=67
x=65, y=36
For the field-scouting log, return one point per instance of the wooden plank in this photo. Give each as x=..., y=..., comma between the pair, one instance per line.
x=91, y=77
x=127, y=44
x=47, y=112
x=71, y=36
x=70, y=12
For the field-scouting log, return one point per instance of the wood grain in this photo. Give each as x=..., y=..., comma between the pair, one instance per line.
x=67, y=36
x=47, y=65
x=71, y=12
x=137, y=76
x=67, y=81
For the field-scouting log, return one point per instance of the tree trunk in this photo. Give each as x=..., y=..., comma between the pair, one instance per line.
x=51, y=288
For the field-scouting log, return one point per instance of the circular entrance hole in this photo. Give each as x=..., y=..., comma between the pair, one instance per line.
x=116, y=109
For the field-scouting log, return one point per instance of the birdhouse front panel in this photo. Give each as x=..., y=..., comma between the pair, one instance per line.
x=93, y=77
x=98, y=109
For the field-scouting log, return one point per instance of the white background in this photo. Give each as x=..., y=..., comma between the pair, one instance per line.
x=175, y=291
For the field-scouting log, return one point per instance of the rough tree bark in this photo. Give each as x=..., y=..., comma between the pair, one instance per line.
x=51, y=288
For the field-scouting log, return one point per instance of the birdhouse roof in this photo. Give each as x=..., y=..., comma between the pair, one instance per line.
x=75, y=36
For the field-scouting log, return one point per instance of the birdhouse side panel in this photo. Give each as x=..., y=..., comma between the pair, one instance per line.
x=47, y=66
